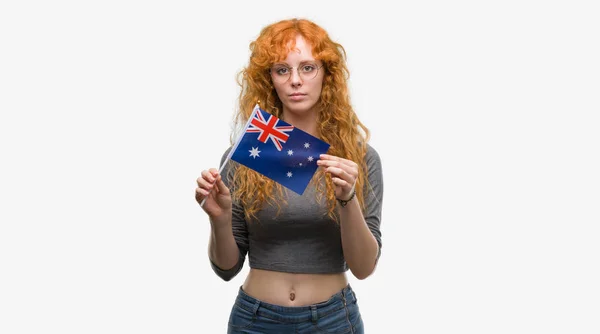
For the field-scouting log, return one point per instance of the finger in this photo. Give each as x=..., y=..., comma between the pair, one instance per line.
x=329, y=157
x=340, y=173
x=208, y=176
x=201, y=194
x=330, y=164
x=335, y=163
x=221, y=187
x=339, y=182
x=349, y=166
x=204, y=184
x=206, y=181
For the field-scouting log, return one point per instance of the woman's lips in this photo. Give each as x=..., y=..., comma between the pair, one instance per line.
x=297, y=97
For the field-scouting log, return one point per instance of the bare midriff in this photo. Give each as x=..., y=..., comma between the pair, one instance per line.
x=289, y=289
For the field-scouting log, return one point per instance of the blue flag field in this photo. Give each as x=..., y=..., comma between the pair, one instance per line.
x=278, y=150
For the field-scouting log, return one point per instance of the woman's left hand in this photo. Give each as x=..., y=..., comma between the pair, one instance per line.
x=343, y=172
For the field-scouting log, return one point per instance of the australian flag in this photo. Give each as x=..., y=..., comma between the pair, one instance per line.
x=278, y=150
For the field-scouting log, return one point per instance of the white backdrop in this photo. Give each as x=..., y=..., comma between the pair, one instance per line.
x=485, y=116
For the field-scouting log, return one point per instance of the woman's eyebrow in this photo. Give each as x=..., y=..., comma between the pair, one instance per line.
x=301, y=62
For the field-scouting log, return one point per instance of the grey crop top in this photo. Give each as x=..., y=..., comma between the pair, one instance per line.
x=301, y=238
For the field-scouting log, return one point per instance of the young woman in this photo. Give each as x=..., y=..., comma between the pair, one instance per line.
x=299, y=246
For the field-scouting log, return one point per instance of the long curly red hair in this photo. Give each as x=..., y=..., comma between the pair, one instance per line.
x=338, y=124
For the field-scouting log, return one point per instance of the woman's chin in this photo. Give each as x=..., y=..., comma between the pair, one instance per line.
x=300, y=108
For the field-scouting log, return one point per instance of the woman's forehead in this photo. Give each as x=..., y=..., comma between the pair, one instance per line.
x=297, y=46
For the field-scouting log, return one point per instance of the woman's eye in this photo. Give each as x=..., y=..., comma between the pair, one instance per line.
x=308, y=68
x=281, y=70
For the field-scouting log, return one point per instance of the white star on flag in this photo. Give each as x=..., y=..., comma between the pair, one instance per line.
x=290, y=152
x=310, y=158
x=254, y=152
x=289, y=174
x=306, y=145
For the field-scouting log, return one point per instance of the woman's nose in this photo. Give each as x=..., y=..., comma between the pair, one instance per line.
x=295, y=78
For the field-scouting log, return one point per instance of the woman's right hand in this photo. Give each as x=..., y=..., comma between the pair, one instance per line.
x=216, y=193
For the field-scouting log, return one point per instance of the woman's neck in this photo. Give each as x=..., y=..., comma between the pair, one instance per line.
x=306, y=122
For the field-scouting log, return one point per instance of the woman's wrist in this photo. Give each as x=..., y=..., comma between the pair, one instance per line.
x=344, y=202
x=221, y=222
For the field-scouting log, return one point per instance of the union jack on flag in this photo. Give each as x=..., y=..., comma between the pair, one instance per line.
x=278, y=150
x=269, y=129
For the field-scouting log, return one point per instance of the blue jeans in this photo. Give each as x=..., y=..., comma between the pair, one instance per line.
x=339, y=314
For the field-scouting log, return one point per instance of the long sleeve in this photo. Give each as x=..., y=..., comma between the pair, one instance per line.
x=373, y=192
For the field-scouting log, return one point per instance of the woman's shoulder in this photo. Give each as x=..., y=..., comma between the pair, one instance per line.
x=371, y=150
x=225, y=154
x=372, y=156
x=227, y=168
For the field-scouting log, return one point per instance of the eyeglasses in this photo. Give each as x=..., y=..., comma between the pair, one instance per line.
x=307, y=71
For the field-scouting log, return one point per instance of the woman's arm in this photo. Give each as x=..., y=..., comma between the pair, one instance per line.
x=223, y=251
x=360, y=231
x=360, y=247
x=228, y=241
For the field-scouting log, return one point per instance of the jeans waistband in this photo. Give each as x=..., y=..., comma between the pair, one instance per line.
x=296, y=313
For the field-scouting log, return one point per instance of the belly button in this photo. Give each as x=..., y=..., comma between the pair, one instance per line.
x=292, y=296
